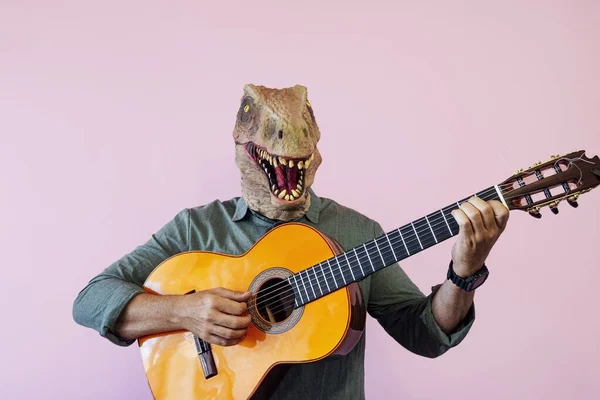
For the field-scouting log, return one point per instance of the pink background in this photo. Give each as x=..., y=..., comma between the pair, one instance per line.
x=118, y=114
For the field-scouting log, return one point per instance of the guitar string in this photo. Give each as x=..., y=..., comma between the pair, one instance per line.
x=362, y=258
x=352, y=265
x=434, y=222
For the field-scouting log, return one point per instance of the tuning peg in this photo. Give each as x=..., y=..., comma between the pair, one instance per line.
x=518, y=172
x=554, y=157
x=554, y=208
x=573, y=200
x=535, y=214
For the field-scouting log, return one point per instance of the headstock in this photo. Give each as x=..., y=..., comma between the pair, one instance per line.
x=548, y=183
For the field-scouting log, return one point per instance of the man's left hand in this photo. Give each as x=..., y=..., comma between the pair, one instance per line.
x=481, y=224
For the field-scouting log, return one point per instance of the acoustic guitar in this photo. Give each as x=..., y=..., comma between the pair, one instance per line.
x=306, y=304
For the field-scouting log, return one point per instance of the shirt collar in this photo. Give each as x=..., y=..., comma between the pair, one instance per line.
x=241, y=209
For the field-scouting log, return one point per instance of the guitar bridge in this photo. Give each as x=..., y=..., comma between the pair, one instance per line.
x=205, y=354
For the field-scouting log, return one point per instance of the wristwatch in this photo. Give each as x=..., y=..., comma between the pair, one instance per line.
x=469, y=283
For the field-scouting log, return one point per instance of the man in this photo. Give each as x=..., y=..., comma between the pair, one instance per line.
x=276, y=138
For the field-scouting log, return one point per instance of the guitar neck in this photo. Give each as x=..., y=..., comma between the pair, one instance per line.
x=363, y=260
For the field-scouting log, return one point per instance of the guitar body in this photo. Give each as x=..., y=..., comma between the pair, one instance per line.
x=330, y=325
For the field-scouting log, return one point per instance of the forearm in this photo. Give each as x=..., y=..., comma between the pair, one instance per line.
x=147, y=314
x=103, y=301
x=450, y=306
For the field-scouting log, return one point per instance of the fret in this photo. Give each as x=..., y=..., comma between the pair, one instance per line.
x=332, y=275
x=426, y=238
x=447, y=224
x=431, y=229
x=340, y=267
x=372, y=250
x=403, y=242
x=306, y=283
x=417, y=235
x=379, y=251
x=296, y=291
x=352, y=272
x=411, y=239
x=299, y=291
x=310, y=283
x=305, y=286
x=317, y=279
x=399, y=246
x=349, y=265
x=386, y=249
x=438, y=226
x=391, y=247
x=362, y=262
x=325, y=276
x=451, y=221
x=367, y=251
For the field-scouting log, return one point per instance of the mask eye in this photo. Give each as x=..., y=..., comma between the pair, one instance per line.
x=246, y=111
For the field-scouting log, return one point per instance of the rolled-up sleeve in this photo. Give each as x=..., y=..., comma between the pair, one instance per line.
x=100, y=303
x=406, y=313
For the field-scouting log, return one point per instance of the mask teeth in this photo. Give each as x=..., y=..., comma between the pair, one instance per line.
x=270, y=164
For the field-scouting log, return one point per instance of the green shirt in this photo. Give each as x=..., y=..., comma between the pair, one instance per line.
x=231, y=227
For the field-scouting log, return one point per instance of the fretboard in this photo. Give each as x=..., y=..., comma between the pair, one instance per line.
x=359, y=262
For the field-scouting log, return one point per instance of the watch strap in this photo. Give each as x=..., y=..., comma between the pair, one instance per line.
x=469, y=283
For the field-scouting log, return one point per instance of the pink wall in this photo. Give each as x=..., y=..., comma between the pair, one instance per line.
x=114, y=117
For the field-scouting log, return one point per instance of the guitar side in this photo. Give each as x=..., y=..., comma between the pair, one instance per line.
x=329, y=325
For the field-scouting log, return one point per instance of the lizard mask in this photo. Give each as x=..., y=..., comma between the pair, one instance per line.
x=276, y=137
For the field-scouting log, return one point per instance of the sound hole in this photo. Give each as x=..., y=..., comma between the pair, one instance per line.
x=275, y=300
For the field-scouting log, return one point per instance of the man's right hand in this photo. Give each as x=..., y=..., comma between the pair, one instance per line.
x=217, y=316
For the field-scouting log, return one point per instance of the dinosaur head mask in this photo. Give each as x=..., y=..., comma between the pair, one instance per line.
x=276, y=137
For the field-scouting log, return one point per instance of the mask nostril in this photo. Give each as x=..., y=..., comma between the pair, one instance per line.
x=280, y=134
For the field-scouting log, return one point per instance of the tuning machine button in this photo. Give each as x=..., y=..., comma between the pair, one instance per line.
x=572, y=200
x=535, y=212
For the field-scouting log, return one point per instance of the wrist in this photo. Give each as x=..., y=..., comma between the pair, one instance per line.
x=464, y=270
x=177, y=311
